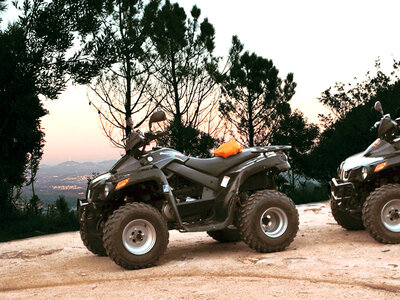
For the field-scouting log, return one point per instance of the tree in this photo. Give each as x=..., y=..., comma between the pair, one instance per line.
x=255, y=97
x=32, y=63
x=2, y=7
x=62, y=205
x=114, y=51
x=296, y=132
x=183, y=47
x=342, y=98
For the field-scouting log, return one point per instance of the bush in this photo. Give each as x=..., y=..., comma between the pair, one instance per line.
x=309, y=193
x=304, y=190
x=31, y=220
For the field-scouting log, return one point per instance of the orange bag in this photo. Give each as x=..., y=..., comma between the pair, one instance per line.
x=228, y=149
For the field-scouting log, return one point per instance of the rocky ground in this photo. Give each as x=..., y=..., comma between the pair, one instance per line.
x=324, y=261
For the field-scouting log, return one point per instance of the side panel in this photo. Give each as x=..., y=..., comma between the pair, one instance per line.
x=162, y=157
x=191, y=174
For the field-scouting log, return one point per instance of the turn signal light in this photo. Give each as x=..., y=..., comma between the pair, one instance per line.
x=380, y=166
x=122, y=183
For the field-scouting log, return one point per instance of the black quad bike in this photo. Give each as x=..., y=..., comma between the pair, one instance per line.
x=128, y=211
x=367, y=192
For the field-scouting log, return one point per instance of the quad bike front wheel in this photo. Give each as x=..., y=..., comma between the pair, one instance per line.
x=381, y=214
x=268, y=221
x=135, y=236
x=346, y=219
x=91, y=236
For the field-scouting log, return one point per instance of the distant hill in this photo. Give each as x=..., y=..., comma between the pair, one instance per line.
x=75, y=168
x=68, y=178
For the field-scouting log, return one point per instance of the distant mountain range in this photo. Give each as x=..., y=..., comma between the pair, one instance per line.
x=75, y=168
x=68, y=179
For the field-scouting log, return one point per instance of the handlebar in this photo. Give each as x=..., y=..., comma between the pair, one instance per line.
x=375, y=126
x=150, y=136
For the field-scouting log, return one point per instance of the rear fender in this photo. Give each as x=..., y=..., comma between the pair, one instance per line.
x=260, y=171
x=260, y=181
x=262, y=168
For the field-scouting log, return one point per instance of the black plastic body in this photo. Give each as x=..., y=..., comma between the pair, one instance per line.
x=216, y=189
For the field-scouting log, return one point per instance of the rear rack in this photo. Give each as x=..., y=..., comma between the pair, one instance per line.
x=271, y=149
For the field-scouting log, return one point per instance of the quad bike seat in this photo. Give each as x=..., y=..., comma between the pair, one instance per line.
x=217, y=165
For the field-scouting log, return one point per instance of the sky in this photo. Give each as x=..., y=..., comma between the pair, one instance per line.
x=321, y=42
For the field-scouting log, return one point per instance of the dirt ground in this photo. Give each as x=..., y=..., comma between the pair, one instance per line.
x=324, y=261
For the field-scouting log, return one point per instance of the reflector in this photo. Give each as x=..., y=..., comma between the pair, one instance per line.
x=380, y=166
x=122, y=183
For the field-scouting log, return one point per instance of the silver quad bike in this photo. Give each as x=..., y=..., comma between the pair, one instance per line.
x=366, y=193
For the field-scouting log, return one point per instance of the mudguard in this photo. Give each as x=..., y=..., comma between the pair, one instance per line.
x=270, y=162
x=152, y=173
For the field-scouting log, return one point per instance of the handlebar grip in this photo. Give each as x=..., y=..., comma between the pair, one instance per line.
x=153, y=136
x=158, y=135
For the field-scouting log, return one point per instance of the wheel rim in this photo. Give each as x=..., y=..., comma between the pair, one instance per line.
x=274, y=222
x=390, y=215
x=139, y=237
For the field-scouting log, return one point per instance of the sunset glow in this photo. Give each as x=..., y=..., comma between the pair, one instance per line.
x=319, y=42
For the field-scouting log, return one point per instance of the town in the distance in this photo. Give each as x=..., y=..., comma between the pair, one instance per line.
x=68, y=179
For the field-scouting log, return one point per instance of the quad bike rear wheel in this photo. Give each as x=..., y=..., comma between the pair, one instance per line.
x=345, y=219
x=135, y=236
x=381, y=214
x=268, y=221
x=226, y=235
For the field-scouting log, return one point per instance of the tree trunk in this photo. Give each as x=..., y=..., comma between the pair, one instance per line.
x=33, y=189
x=128, y=126
x=251, y=127
x=178, y=116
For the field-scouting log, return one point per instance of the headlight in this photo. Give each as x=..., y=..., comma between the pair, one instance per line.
x=106, y=190
x=340, y=170
x=89, y=196
x=364, y=172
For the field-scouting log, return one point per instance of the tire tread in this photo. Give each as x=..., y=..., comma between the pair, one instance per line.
x=246, y=211
x=112, y=225
x=368, y=211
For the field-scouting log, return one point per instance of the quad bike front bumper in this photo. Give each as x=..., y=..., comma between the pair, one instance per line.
x=341, y=190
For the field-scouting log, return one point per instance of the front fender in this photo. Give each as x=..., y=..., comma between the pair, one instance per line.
x=146, y=174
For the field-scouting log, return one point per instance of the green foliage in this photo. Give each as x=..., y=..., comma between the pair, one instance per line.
x=115, y=61
x=302, y=190
x=296, y=132
x=32, y=220
x=3, y=7
x=32, y=63
x=20, y=132
x=256, y=102
x=183, y=47
x=342, y=98
x=62, y=205
x=309, y=193
x=196, y=143
x=256, y=98
x=34, y=207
